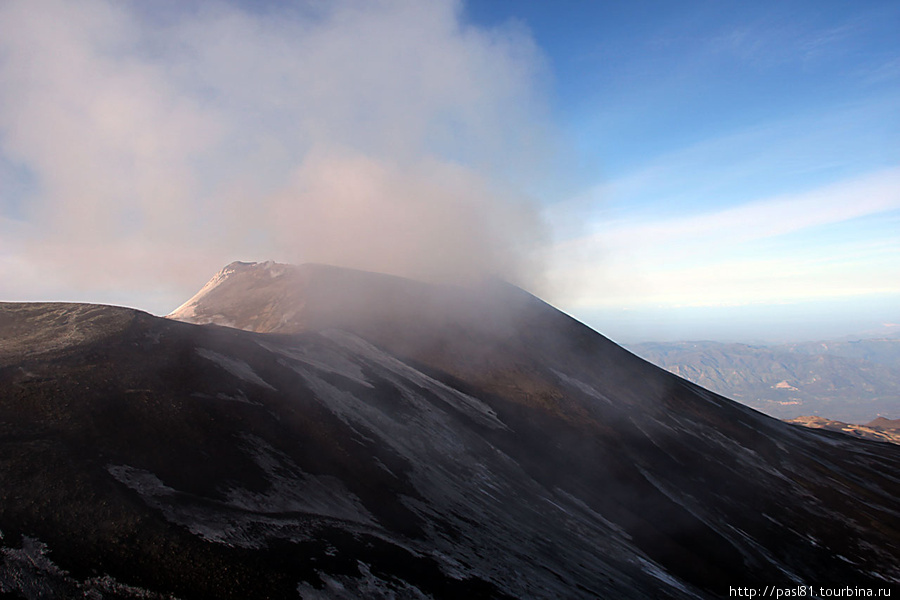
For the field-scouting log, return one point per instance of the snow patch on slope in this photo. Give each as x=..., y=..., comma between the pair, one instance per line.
x=323, y=359
x=581, y=386
x=292, y=490
x=293, y=503
x=402, y=375
x=238, y=368
x=367, y=585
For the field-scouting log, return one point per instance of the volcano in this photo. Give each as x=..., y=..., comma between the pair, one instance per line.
x=316, y=432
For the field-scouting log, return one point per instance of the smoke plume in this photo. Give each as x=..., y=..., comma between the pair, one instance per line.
x=145, y=145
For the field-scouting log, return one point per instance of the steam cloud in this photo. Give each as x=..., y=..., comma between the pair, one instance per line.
x=383, y=135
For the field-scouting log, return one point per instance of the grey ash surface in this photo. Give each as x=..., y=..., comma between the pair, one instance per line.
x=376, y=437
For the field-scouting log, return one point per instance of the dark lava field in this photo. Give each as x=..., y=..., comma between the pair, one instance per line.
x=314, y=432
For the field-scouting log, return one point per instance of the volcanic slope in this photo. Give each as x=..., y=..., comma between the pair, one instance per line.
x=348, y=434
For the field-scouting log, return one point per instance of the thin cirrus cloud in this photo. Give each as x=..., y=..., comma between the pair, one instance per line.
x=795, y=247
x=793, y=152
x=148, y=150
x=874, y=193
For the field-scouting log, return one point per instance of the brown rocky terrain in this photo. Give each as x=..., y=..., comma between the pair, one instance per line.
x=871, y=431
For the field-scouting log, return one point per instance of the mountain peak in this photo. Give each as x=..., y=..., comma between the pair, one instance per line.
x=247, y=295
x=270, y=297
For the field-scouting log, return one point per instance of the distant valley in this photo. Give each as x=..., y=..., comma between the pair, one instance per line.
x=849, y=381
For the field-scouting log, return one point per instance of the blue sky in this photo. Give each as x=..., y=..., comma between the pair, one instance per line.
x=714, y=170
x=733, y=166
x=634, y=81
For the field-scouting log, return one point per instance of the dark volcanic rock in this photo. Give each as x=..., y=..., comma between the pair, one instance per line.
x=371, y=436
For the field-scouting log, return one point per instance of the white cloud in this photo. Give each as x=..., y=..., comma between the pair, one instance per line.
x=781, y=215
x=739, y=255
x=380, y=135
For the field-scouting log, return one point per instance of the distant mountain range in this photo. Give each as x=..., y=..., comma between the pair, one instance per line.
x=849, y=381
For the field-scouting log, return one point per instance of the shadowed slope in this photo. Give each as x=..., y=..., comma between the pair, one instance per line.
x=378, y=435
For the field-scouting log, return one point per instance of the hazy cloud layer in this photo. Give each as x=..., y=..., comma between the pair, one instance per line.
x=144, y=142
x=836, y=241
